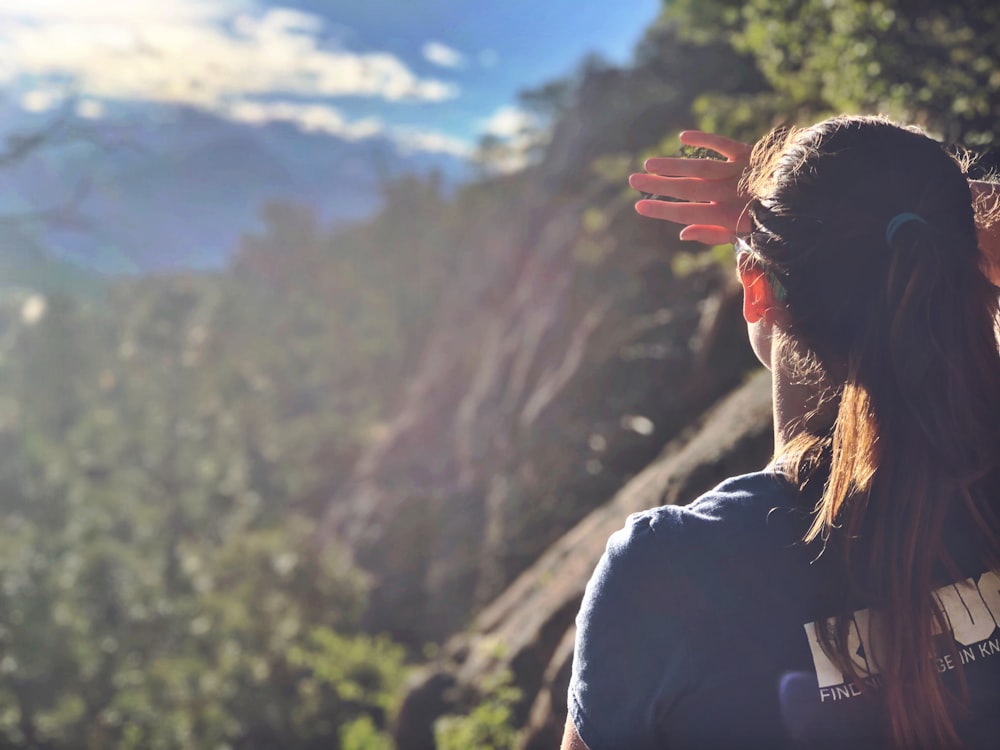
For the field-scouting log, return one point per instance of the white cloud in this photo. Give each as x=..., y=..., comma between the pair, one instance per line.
x=47, y=99
x=176, y=52
x=519, y=134
x=410, y=140
x=509, y=122
x=286, y=20
x=41, y=100
x=439, y=54
x=228, y=57
x=507, y=162
x=309, y=117
x=327, y=119
x=90, y=109
x=120, y=11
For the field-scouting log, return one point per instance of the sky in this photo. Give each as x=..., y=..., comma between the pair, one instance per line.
x=430, y=75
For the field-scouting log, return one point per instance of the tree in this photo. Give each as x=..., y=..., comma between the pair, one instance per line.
x=926, y=62
x=159, y=585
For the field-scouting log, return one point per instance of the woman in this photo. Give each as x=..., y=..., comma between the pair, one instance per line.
x=844, y=596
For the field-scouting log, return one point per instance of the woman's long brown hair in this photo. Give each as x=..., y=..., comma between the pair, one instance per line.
x=903, y=334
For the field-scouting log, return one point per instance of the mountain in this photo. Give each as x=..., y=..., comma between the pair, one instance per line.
x=179, y=189
x=24, y=265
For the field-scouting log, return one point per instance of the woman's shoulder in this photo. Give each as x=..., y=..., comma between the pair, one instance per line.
x=762, y=501
x=674, y=551
x=664, y=578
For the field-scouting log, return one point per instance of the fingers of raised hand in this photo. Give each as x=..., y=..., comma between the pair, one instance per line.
x=709, y=202
x=732, y=150
x=683, y=188
x=708, y=234
x=706, y=169
x=682, y=213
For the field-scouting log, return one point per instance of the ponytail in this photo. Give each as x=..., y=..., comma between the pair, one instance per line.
x=906, y=319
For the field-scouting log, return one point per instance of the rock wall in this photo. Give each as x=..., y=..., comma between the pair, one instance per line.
x=565, y=355
x=540, y=393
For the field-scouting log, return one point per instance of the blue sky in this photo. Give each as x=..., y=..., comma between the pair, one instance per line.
x=429, y=74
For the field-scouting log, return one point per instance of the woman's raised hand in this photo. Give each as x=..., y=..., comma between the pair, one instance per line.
x=712, y=207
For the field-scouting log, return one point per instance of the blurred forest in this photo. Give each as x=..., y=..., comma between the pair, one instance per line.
x=239, y=507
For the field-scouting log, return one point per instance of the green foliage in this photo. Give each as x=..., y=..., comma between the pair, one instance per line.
x=926, y=62
x=356, y=668
x=488, y=726
x=166, y=458
x=361, y=734
x=161, y=470
x=686, y=263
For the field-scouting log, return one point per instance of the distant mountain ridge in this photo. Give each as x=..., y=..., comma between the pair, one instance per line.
x=179, y=191
x=24, y=265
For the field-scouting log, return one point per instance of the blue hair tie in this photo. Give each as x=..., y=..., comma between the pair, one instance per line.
x=897, y=221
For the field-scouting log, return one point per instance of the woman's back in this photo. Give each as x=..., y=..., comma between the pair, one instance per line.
x=844, y=595
x=699, y=630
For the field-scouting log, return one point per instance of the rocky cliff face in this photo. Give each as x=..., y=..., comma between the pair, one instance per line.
x=567, y=353
x=528, y=630
x=534, y=403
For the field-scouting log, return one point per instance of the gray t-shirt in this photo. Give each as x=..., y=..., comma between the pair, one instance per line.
x=697, y=630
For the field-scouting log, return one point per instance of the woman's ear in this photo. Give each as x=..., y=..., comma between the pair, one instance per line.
x=758, y=293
